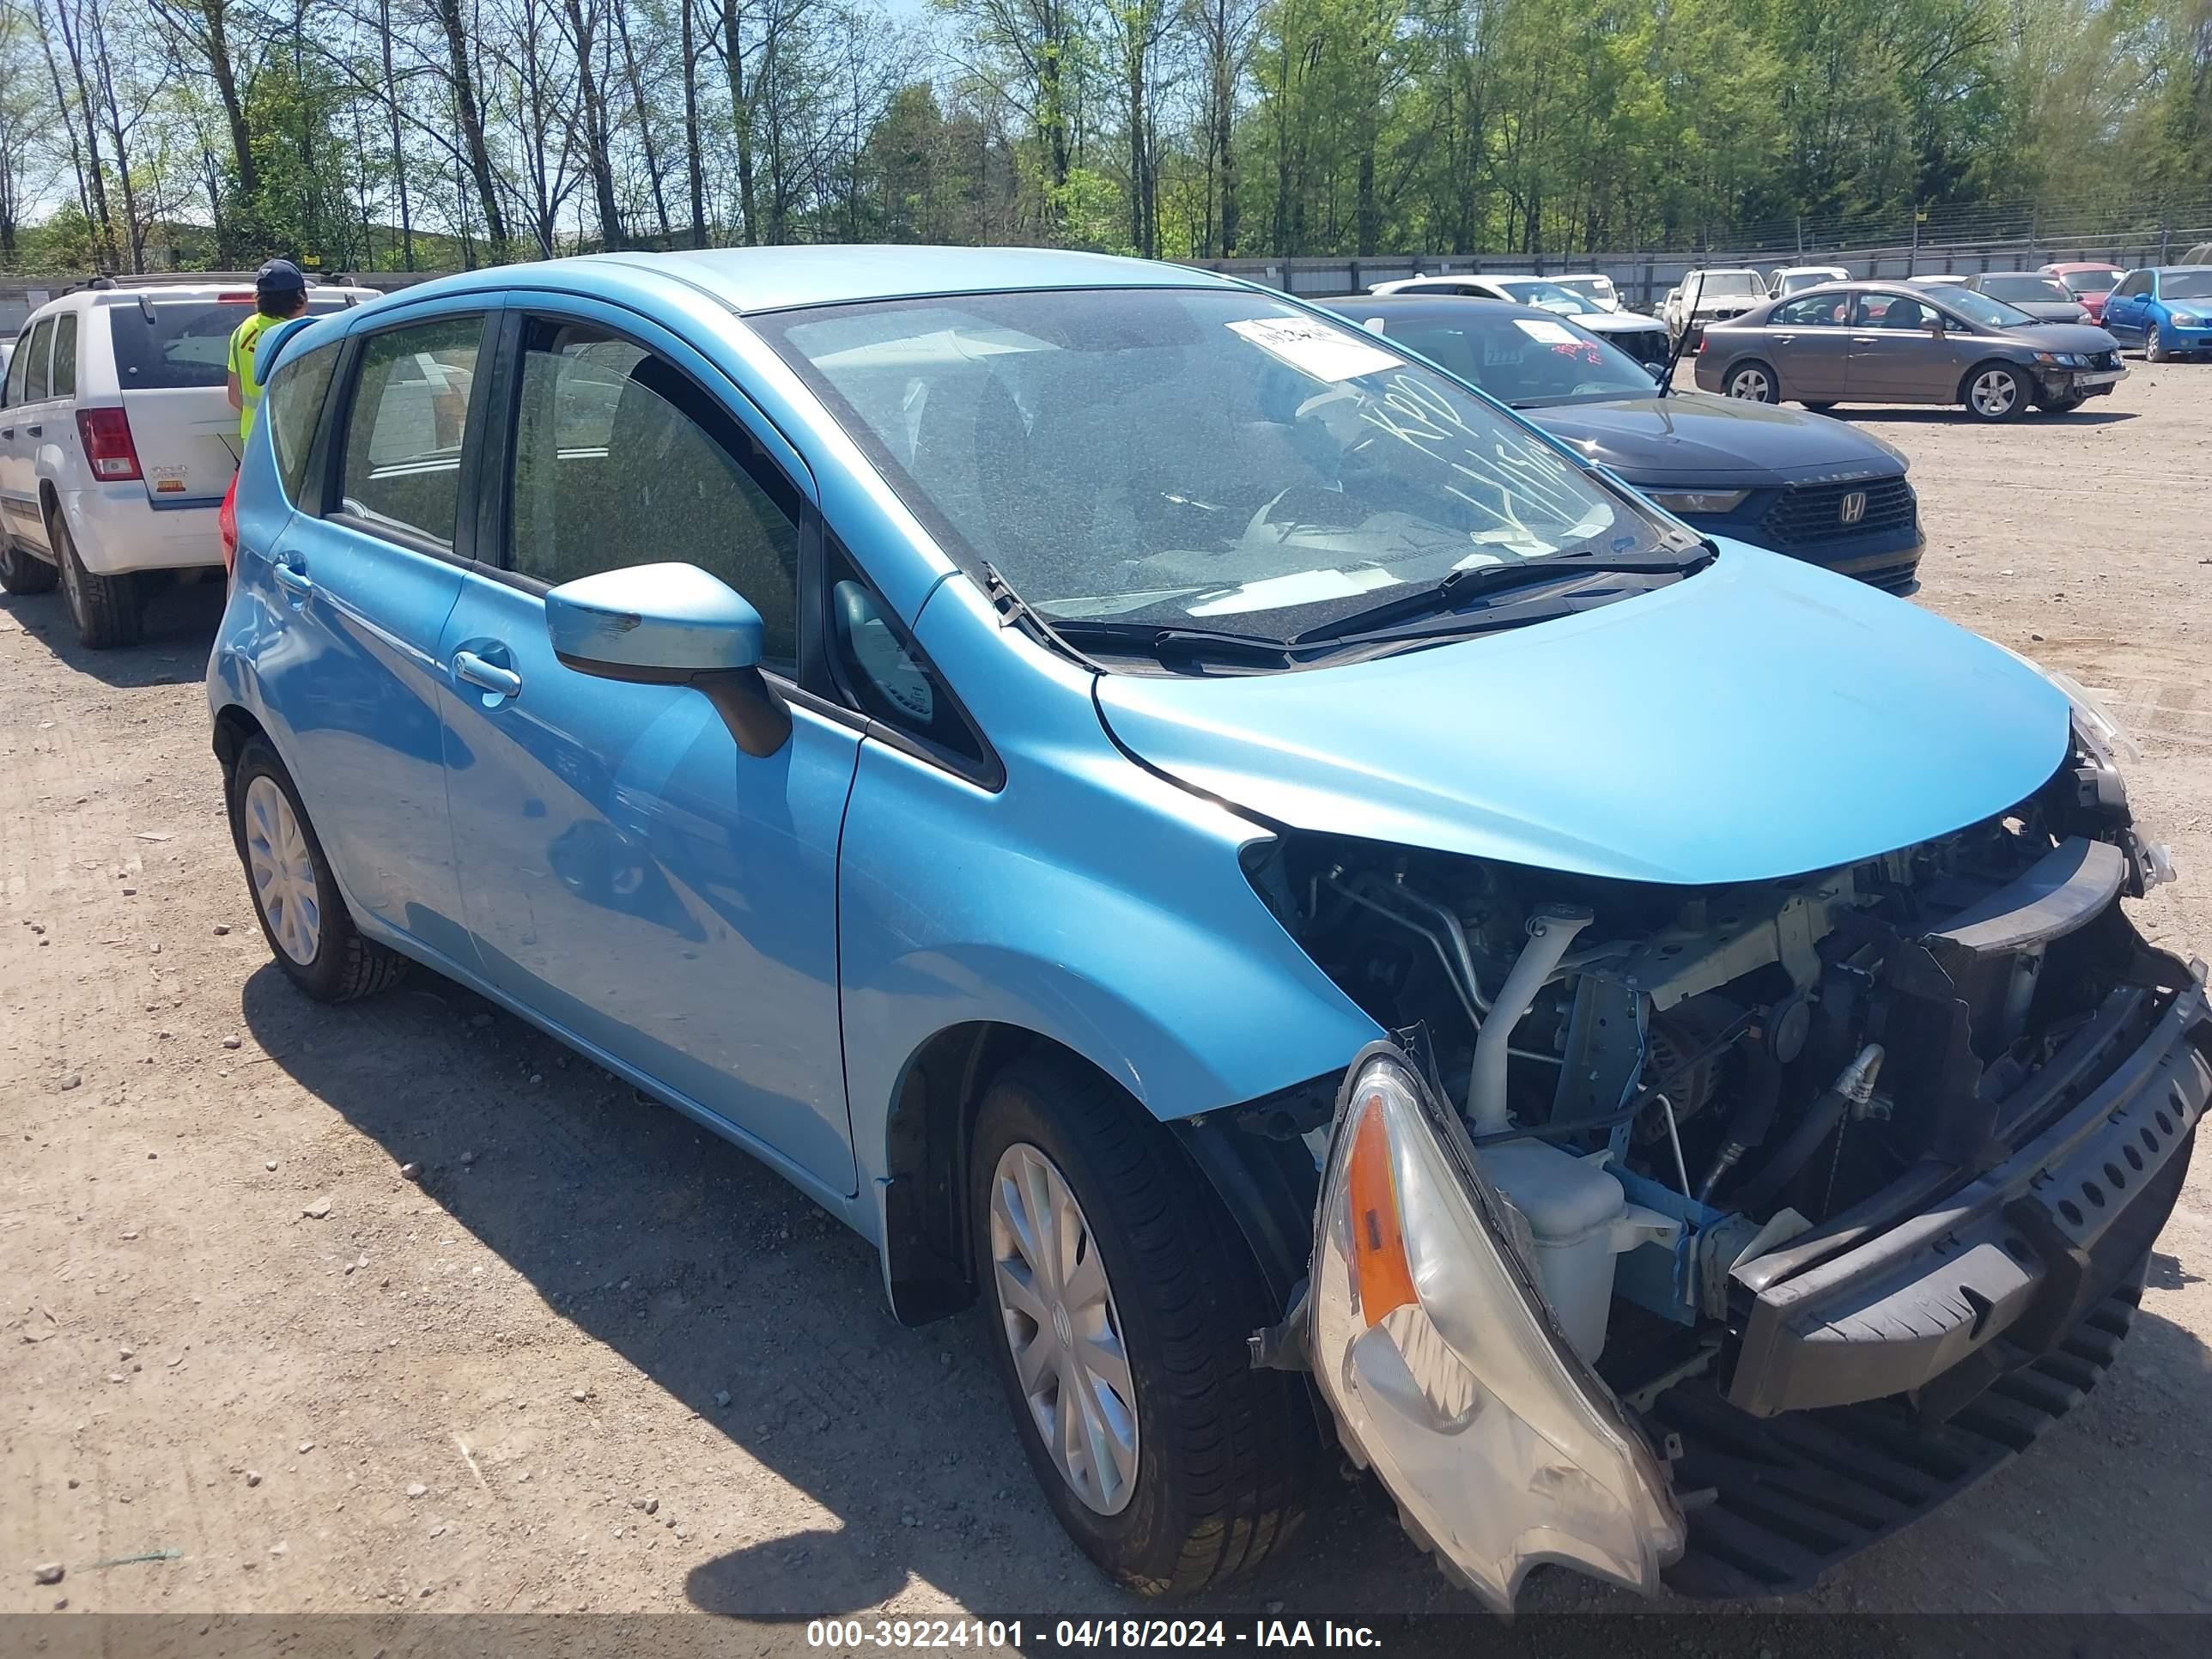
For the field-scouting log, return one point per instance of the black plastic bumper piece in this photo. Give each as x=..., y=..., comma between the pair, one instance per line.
x=1946, y=1303
x=1791, y=1496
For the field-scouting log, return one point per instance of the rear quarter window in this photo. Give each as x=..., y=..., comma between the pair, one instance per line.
x=64, y=384
x=295, y=408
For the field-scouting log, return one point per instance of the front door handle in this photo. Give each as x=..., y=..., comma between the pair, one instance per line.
x=7, y=431
x=1866, y=340
x=35, y=431
x=486, y=676
x=293, y=580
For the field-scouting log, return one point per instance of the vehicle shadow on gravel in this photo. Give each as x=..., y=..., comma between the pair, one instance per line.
x=766, y=1317
x=1952, y=416
x=181, y=618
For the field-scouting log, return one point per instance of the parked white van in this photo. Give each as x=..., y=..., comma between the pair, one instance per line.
x=118, y=440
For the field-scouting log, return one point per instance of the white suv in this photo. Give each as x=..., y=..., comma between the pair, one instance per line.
x=1711, y=297
x=118, y=440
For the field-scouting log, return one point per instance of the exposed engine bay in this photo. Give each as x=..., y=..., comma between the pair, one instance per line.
x=1672, y=1086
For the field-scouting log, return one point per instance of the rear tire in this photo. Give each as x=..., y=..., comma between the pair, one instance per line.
x=1754, y=382
x=22, y=572
x=1996, y=393
x=108, y=610
x=296, y=898
x=1224, y=1456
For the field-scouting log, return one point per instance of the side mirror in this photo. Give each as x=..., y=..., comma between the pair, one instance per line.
x=1933, y=323
x=671, y=624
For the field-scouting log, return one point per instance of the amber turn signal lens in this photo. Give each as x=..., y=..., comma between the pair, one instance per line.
x=1378, y=1237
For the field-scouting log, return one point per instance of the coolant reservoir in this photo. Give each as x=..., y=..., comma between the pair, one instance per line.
x=1579, y=1220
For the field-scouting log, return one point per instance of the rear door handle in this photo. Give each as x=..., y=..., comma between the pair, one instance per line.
x=488, y=676
x=34, y=431
x=7, y=431
x=293, y=580
x=1866, y=340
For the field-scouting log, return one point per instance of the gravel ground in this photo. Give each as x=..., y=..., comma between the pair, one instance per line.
x=400, y=1306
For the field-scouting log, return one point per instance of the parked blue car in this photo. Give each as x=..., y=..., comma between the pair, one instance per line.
x=2166, y=309
x=1333, y=918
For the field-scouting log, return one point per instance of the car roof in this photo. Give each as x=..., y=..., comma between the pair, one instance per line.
x=772, y=278
x=2080, y=264
x=2163, y=269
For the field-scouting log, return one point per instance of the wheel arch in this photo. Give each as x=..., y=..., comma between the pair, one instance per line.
x=1248, y=1154
x=236, y=726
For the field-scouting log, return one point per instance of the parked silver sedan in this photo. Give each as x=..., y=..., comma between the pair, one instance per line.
x=1893, y=343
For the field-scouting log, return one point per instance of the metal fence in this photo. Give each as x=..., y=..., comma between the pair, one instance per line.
x=1644, y=278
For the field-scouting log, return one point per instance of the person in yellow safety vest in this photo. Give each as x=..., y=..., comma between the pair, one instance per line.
x=280, y=294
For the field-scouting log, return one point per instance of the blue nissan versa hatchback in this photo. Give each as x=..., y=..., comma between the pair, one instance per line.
x=1335, y=922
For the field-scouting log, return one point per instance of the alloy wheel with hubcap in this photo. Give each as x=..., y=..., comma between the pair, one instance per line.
x=1752, y=384
x=281, y=872
x=1057, y=1315
x=2154, y=350
x=1995, y=393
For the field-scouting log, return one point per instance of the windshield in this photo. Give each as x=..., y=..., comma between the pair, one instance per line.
x=1172, y=455
x=1981, y=308
x=1598, y=287
x=1723, y=283
x=2026, y=290
x=2186, y=284
x=1535, y=291
x=1522, y=361
x=2091, y=282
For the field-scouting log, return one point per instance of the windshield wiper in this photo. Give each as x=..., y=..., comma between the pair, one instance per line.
x=1463, y=586
x=1166, y=641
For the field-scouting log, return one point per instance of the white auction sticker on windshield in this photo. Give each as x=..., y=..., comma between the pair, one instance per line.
x=1316, y=348
x=1548, y=333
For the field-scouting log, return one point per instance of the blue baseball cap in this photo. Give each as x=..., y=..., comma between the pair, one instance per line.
x=280, y=277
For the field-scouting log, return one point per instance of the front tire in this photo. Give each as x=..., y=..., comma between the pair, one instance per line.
x=1754, y=383
x=1120, y=1296
x=108, y=610
x=1996, y=393
x=2155, y=346
x=302, y=912
x=23, y=572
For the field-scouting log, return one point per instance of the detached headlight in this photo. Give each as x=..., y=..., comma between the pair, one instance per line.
x=1699, y=501
x=1429, y=1340
x=2059, y=359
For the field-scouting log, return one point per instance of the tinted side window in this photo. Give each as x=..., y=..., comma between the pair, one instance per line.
x=409, y=420
x=620, y=459
x=2137, y=282
x=293, y=405
x=64, y=380
x=1821, y=311
x=34, y=375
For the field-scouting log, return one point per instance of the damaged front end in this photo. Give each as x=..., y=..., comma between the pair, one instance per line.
x=1833, y=1190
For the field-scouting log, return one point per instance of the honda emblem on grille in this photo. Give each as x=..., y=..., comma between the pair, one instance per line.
x=1853, y=509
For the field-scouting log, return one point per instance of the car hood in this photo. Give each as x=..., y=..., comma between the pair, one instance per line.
x=2063, y=336
x=2050, y=311
x=1692, y=437
x=1760, y=719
